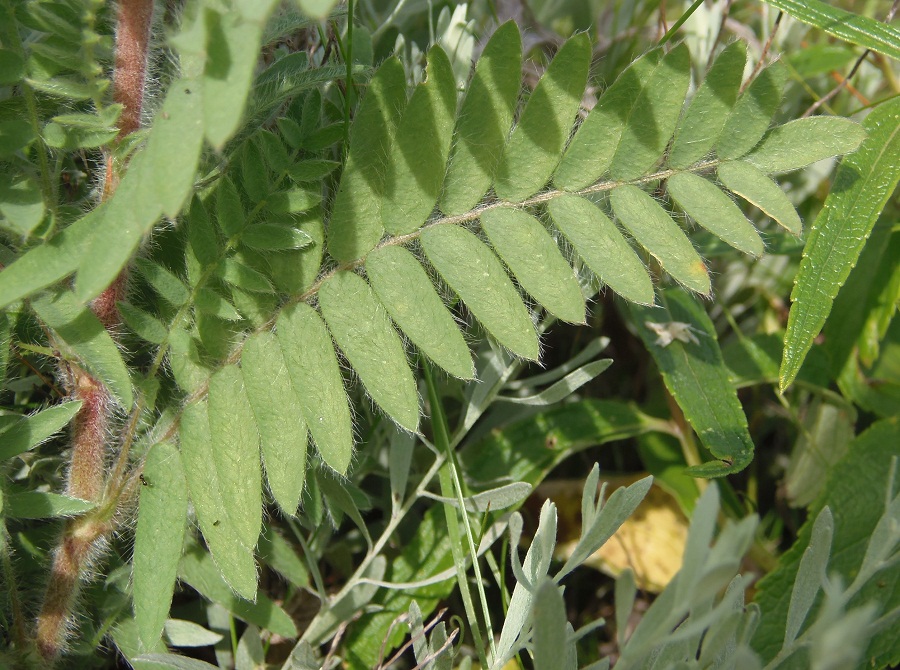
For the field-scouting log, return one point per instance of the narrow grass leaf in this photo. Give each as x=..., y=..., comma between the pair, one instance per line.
x=364, y=333
x=279, y=418
x=655, y=230
x=862, y=185
x=602, y=247
x=849, y=26
x=532, y=256
x=236, y=454
x=159, y=539
x=654, y=116
x=311, y=362
x=405, y=290
x=418, y=158
x=592, y=149
x=535, y=146
x=144, y=324
x=756, y=188
x=699, y=128
x=199, y=572
x=564, y=387
x=696, y=376
x=707, y=205
x=80, y=334
x=804, y=141
x=549, y=627
x=40, y=505
x=26, y=432
x=355, y=225
x=233, y=41
x=474, y=273
x=753, y=112
x=484, y=120
x=233, y=558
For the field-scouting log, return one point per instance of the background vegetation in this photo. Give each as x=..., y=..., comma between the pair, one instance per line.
x=188, y=187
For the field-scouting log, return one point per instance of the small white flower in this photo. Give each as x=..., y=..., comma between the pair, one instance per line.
x=666, y=333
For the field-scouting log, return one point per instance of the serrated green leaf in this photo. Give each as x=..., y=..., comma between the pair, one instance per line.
x=233, y=558
x=274, y=237
x=143, y=324
x=475, y=274
x=311, y=362
x=229, y=209
x=881, y=37
x=40, y=505
x=753, y=112
x=246, y=278
x=707, y=205
x=12, y=67
x=602, y=247
x=27, y=432
x=173, y=148
x=21, y=204
x=804, y=141
x=364, y=333
x=159, y=539
x=279, y=418
x=538, y=140
x=484, y=120
x=236, y=454
x=863, y=183
x=80, y=333
x=592, y=149
x=405, y=290
x=418, y=157
x=696, y=376
x=654, y=116
x=756, y=188
x=705, y=117
x=294, y=200
x=355, y=227
x=198, y=571
x=532, y=256
x=232, y=47
x=311, y=170
x=655, y=230
x=170, y=288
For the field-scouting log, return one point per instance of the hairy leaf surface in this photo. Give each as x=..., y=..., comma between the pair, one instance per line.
x=756, y=188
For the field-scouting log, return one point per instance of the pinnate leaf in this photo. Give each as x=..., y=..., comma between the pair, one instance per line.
x=26, y=432
x=405, y=290
x=364, y=333
x=475, y=274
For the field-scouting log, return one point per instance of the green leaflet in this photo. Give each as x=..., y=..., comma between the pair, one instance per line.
x=655, y=230
x=279, y=418
x=707, y=205
x=862, y=185
x=314, y=370
x=207, y=301
x=144, y=324
x=856, y=493
x=533, y=257
x=405, y=290
x=534, y=148
x=696, y=376
x=229, y=210
x=881, y=37
x=244, y=277
x=804, y=141
x=159, y=539
x=757, y=189
x=29, y=431
x=701, y=124
x=49, y=262
x=233, y=40
x=169, y=287
x=602, y=247
x=592, y=149
x=296, y=270
x=199, y=572
x=753, y=112
x=233, y=558
x=653, y=117
x=82, y=335
x=203, y=239
x=475, y=274
x=294, y=200
x=41, y=505
x=364, y=333
x=184, y=360
x=355, y=226
x=236, y=454
x=418, y=158
x=274, y=237
x=484, y=120
x=21, y=204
